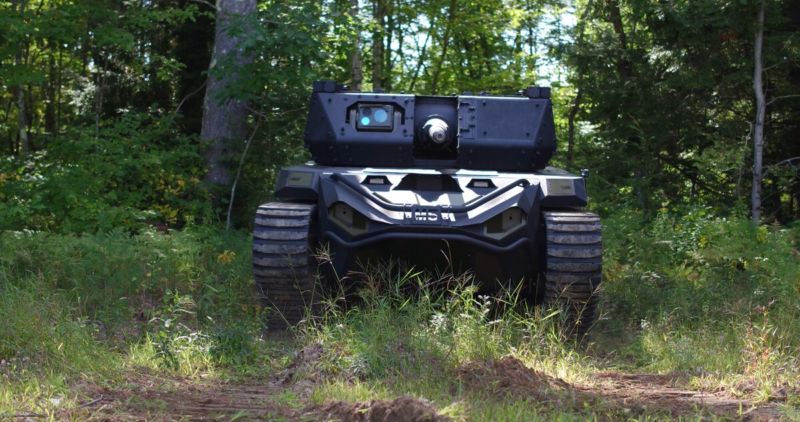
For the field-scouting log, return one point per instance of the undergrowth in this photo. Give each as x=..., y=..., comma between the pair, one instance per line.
x=88, y=308
x=713, y=300
x=392, y=342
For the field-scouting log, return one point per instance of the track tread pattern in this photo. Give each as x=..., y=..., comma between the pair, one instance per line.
x=282, y=261
x=573, y=265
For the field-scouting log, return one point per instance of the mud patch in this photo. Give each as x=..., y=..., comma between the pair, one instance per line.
x=401, y=409
x=510, y=377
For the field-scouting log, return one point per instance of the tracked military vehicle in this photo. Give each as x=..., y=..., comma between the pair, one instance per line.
x=423, y=174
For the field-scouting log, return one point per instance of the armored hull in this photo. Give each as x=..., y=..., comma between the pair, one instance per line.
x=524, y=219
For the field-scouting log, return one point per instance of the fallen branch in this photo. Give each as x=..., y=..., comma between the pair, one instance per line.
x=91, y=402
x=21, y=415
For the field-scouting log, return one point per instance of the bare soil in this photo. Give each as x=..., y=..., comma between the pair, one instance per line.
x=637, y=393
x=149, y=397
x=510, y=377
x=146, y=396
x=665, y=393
x=401, y=409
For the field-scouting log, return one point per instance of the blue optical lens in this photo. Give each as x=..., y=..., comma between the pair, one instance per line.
x=365, y=121
x=381, y=115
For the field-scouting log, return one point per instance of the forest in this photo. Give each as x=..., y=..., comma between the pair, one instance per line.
x=137, y=139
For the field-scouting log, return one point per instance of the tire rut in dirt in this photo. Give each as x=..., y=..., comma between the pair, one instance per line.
x=573, y=266
x=283, y=265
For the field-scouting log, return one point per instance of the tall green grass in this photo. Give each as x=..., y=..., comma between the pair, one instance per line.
x=88, y=307
x=392, y=343
x=714, y=299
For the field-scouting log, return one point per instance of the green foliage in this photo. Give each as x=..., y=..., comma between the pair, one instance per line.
x=41, y=334
x=709, y=298
x=394, y=343
x=666, y=111
x=193, y=287
x=133, y=171
x=706, y=295
x=96, y=307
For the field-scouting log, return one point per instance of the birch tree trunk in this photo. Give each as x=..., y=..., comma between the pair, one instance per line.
x=224, y=122
x=386, y=74
x=761, y=111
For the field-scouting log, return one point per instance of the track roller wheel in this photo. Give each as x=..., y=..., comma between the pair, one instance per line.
x=573, y=267
x=284, y=267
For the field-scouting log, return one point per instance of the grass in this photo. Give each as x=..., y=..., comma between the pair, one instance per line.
x=714, y=301
x=89, y=308
x=712, y=297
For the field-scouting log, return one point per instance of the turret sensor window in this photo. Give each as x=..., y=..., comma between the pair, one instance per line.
x=375, y=117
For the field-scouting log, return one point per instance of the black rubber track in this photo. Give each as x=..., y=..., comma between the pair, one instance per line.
x=283, y=266
x=573, y=266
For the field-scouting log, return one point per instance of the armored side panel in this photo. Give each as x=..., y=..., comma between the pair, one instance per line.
x=505, y=133
x=397, y=130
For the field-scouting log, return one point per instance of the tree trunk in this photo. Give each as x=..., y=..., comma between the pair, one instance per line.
x=445, y=43
x=224, y=121
x=194, y=39
x=624, y=66
x=378, y=13
x=50, y=106
x=386, y=78
x=576, y=105
x=356, y=66
x=761, y=111
x=22, y=123
x=59, y=84
x=19, y=91
x=420, y=59
x=573, y=113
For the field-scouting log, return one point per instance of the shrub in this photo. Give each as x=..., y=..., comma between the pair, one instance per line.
x=135, y=170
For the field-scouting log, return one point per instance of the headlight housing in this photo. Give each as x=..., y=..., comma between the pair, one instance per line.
x=352, y=221
x=506, y=222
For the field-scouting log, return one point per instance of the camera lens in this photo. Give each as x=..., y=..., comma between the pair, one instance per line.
x=380, y=115
x=374, y=117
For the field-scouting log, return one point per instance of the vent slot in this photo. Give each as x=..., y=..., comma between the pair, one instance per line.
x=376, y=181
x=481, y=184
x=429, y=183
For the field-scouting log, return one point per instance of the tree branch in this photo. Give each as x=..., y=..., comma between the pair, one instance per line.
x=694, y=177
x=239, y=174
x=207, y=3
x=189, y=95
x=782, y=97
x=780, y=163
